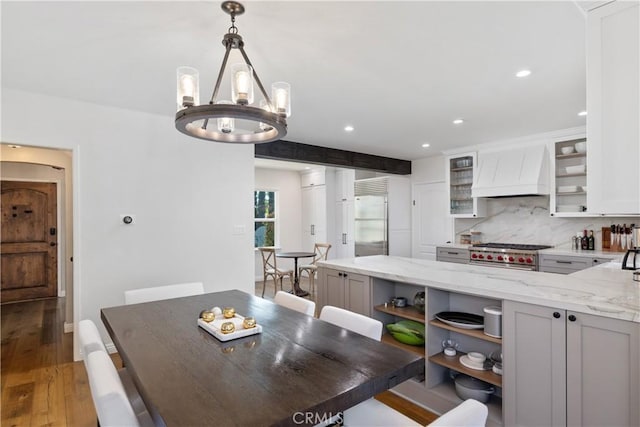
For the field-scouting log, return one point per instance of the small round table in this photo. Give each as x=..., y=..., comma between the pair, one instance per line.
x=297, y=290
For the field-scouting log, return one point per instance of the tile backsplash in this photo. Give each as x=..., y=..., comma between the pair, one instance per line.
x=526, y=220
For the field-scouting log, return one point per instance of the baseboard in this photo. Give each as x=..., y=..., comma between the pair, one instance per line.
x=68, y=327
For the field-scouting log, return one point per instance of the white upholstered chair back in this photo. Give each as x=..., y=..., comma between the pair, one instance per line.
x=108, y=393
x=89, y=337
x=296, y=303
x=355, y=322
x=136, y=296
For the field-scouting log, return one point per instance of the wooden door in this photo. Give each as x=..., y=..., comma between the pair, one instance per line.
x=29, y=240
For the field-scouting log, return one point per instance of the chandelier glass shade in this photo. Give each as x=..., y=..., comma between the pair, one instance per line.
x=238, y=120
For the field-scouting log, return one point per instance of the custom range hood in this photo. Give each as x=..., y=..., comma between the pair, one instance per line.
x=522, y=171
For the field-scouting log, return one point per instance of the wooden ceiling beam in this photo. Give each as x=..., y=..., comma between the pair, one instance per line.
x=305, y=153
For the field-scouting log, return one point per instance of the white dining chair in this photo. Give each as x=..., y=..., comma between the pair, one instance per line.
x=136, y=296
x=355, y=322
x=373, y=413
x=109, y=396
x=294, y=302
x=359, y=324
x=89, y=337
x=90, y=342
x=469, y=413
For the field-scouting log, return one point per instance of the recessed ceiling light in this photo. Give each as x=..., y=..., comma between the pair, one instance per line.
x=426, y=145
x=458, y=121
x=523, y=73
x=307, y=168
x=582, y=113
x=349, y=128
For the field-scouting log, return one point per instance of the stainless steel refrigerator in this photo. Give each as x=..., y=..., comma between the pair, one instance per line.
x=371, y=226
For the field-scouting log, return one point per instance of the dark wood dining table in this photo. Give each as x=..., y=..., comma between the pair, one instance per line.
x=297, y=290
x=299, y=371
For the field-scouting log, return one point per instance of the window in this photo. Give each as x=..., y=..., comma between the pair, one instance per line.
x=264, y=208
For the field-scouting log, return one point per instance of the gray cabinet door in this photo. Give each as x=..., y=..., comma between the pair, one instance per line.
x=603, y=371
x=334, y=289
x=534, y=350
x=357, y=293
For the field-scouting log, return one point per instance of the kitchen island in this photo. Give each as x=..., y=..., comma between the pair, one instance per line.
x=559, y=334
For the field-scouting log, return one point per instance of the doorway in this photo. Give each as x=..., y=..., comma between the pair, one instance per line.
x=40, y=165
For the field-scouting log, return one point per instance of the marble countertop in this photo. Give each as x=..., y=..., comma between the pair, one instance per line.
x=581, y=253
x=603, y=291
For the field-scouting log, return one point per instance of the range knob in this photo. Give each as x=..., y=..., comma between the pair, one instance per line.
x=481, y=256
x=489, y=256
x=520, y=259
x=474, y=256
x=529, y=261
x=510, y=259
x=500, y=257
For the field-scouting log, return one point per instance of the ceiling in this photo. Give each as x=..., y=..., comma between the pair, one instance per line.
x=399, y=72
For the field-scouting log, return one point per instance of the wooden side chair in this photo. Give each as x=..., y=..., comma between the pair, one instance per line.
x=270, y=269
x=321, y=250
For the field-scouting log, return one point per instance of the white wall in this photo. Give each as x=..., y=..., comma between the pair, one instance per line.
x=429, y=169
x=288, y=210
x=191, y=198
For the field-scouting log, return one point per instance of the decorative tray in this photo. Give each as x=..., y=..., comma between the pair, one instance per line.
x=213, y=328
x=461, y=320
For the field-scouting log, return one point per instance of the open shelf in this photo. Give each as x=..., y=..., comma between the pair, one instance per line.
x=475, y=333
x=568, y=175
x=571, y=156
x=452, y=362
x=408, y=312
x=389, y=339
x=446, y=392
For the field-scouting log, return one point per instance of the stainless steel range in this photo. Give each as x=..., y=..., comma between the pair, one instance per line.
x=506, y=255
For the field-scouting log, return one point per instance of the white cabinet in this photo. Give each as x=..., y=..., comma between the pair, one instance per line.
x=343, y=241
x=314, y=216
x=566, y=368
x=313, y=178
x=432, y=225
x=613, y=127
x=399, y=209
x=461, y=170
x=569, y=182
x=345, y=182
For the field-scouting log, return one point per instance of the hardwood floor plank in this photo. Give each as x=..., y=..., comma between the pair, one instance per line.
x=17, y=402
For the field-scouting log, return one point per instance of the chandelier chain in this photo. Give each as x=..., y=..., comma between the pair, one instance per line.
x=233, y=29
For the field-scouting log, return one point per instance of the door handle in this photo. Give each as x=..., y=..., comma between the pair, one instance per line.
x=313, y=230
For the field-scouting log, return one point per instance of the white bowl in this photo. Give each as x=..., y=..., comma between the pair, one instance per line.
x=581, y=147
x=476, y=357
x=575, y=169
x=567, y=189
x=566, y=150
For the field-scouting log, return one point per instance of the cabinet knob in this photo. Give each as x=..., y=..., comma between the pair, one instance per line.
x=345, y=274
x=556, y=315
x=572, y=318
x=340, y=274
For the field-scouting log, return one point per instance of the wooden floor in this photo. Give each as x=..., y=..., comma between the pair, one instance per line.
x=43, y=386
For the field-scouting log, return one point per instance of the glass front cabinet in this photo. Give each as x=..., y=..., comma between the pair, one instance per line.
x=461, y=171
x=569, y=180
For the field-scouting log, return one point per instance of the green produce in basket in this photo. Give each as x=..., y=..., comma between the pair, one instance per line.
x=407, y=332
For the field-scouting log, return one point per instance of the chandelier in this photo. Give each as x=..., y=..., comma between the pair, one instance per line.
x=237, y=120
